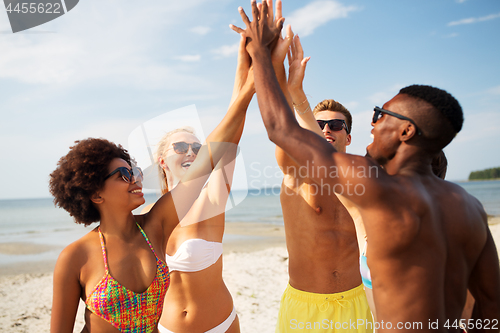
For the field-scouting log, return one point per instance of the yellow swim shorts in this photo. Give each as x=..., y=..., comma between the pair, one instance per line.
x=301, y=311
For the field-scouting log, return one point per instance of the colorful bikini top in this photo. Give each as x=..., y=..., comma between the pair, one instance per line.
x=194, y=255
x=366, y=276
x=126, y=310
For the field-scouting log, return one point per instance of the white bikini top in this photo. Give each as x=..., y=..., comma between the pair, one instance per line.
x=194, y=255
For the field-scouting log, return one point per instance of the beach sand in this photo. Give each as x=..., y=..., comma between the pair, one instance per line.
x=255, y=271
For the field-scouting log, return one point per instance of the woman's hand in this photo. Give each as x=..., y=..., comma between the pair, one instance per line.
x=297, y=68
x=243, y=81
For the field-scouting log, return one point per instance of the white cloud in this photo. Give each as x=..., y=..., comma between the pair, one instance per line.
x=479, y=127
x=494, y=90
x=471, y=20
x=200, y=30
x=226, y=50
x=351, y=105
x=460, y=1
x=189, y=58
x=26, y=59
x=306, y=19
x=453, y=35
x=379, y=98
x=114, y=43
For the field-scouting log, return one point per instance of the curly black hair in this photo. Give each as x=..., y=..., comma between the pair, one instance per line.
x=81, y=173
x=441, y=100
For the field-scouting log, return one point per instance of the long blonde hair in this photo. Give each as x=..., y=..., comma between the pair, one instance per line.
x=160, y=151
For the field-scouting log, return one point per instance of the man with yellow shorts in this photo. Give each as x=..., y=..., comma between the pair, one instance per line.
x=345, y=311
x=325, y=292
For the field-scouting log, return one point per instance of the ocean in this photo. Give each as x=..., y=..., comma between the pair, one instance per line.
x=38, y=222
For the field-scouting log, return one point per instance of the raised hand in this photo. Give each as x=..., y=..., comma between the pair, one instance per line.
x=243, y=80
x=262, y=33
x=279, y=53
x=297, y=67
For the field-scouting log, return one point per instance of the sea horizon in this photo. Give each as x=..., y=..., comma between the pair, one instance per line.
x=148, y=191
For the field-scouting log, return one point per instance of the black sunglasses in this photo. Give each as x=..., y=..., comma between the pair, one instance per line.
x=333, y=124
x=377, y=113
x=183, y=147
x=128, y=174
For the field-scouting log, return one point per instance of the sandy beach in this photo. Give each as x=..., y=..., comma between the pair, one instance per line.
x=255, y=271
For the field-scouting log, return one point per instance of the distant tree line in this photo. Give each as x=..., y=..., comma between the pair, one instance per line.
x=492, y=173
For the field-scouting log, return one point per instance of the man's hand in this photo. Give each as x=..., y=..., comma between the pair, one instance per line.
x=263, y=32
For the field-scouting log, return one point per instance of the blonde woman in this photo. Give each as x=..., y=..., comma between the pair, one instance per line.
x=118, y=268
x=198, y=300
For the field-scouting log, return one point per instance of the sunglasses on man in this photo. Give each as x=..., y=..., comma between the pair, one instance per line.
x=183, y=147
x=377, y=114
x=333, y=124
x=128, y=174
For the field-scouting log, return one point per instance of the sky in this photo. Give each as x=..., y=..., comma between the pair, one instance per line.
x=106, y=67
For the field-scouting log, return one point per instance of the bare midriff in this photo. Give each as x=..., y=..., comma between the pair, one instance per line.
x=321, y=240
x=196, y=301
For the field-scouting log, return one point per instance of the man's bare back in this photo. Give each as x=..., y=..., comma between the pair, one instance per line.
x=428, y=239
x=422, y=254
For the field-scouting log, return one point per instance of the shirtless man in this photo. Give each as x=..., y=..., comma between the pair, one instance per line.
x=429, y=239
x=320, y=234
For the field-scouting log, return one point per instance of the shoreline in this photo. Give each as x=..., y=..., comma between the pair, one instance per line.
x=245, y=237
x=254, y=253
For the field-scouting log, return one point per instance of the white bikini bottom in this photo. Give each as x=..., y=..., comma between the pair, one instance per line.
x=221, y=328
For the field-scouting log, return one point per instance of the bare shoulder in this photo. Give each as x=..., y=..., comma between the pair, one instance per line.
x=467, y=202
x=74, y=256
x=147, y=208
x=152, y=225
x=464, y=216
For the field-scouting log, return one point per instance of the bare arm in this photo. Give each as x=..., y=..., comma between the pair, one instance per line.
x=66, y=294
x=220, y=182
x=296, y=96
x=219, y=147
x=297, y=69
x=484, y=285
x=283, y=129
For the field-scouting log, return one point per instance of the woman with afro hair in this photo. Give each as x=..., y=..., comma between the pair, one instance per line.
x=118, y=268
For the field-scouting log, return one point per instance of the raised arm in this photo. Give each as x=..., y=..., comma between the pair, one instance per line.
x=297, y=70
x=281, y=125
x=219, y=186
x=219, y=147
x=297, y=98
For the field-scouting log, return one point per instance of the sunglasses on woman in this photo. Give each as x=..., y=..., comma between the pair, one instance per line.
x=128, y=174
x=333, y=124
x=377, y=114
x=183, y=147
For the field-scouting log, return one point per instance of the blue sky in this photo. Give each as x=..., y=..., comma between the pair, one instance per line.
x=107, y=66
